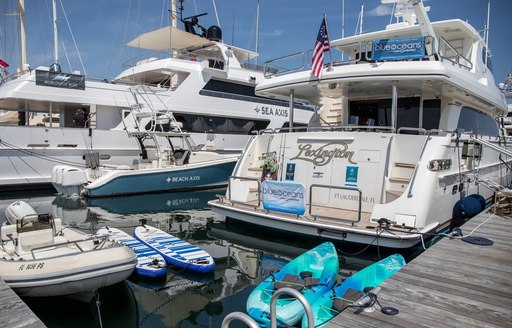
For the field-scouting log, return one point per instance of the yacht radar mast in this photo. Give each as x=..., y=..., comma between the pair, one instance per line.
x=412, y=12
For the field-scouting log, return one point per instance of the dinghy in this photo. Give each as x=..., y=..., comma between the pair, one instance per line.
x=352, y=289
x=149, y=262
x=175, y=251
x=39, y=257
x=313, y=273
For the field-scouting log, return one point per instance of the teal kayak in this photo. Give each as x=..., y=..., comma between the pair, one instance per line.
x=344, y=294
x=312, y=273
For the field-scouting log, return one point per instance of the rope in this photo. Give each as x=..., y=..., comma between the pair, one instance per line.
x=47, y=158
x=98, y=304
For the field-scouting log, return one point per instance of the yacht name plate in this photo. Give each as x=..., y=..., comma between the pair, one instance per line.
x=322, y=156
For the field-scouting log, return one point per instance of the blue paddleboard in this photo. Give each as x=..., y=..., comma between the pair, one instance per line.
x=175, y=251
x=149, y=262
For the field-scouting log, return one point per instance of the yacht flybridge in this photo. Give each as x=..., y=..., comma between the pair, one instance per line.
x=408, y=141
x=207, y=84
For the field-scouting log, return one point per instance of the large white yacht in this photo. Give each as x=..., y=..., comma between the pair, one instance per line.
x=207, y=84
x=408, y=143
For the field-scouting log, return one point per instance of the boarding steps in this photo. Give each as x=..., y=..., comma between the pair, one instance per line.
x=331, y=113
x=399, y=180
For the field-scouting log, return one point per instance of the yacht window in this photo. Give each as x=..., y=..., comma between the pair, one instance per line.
x=471, y=120
x=228, y=87
x=378, y=112
x=431, y=114
x=213, y=124
x=486, y=59
x=229, y=90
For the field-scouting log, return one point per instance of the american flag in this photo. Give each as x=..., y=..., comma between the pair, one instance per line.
x=321, y=46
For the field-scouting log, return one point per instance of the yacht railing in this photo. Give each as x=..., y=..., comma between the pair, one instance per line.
x=349, y=128
x=98, y=241
x=363, y=53
x=457, y=58
x=270, y=68
x=315, y=216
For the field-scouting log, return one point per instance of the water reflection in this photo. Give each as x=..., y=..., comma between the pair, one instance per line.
x=182, y=299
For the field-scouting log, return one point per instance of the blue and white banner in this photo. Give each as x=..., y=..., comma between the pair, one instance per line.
x=284, y=196
x=398, y=48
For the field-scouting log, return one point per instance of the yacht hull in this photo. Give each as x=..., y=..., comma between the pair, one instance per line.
x=310, y=229
x=68, y=274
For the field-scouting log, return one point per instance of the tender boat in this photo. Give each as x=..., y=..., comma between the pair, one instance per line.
x=408, y=143
x=209, y=85
x=39, y=257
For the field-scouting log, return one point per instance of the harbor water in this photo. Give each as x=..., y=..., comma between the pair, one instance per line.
x=182, y=299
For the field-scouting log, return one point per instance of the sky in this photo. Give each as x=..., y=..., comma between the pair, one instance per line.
x=93, y=33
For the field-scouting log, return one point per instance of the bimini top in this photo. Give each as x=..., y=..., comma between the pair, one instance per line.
x=184, y=42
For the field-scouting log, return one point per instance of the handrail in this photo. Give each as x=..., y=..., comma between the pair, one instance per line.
x=239, y=316
x=458, y=56
x=413, y=178
x=271, y=70
x=93, y=238
x=273, y=315
x=335, y=187
x=243, y=178
x=332, y=128
x=499, y=149
x=296, y=294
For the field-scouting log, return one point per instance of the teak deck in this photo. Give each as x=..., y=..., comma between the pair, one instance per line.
x=451, y=284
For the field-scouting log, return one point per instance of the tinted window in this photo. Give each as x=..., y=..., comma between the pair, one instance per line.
x=476, y=122
x=199, y=123
x=431, y=114
x=229, y=90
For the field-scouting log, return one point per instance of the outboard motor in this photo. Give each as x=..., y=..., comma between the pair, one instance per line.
x=214, y=33
x=19, y=210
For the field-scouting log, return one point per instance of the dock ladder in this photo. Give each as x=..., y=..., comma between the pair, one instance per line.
x=273, y=317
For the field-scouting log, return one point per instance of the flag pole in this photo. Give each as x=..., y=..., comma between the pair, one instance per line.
x=329, y=40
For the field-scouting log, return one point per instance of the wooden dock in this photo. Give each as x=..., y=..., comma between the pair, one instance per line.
x=451, y=284
x=14, y=312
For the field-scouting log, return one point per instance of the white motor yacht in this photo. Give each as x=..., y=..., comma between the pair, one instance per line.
x=207, y=84
x=408, y=143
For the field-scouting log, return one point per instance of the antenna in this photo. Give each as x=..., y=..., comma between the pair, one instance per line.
x=486, y=31
x=257, y=27
x=342, y=25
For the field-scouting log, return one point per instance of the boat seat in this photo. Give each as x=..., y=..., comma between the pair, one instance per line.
x=33, y=239
x=182, y=156
x=340, y=303
x=8, y=229
x=57, y=227
x=8, y=243
x=296, y=282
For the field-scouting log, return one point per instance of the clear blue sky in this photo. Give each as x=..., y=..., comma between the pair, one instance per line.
x=101, y=27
